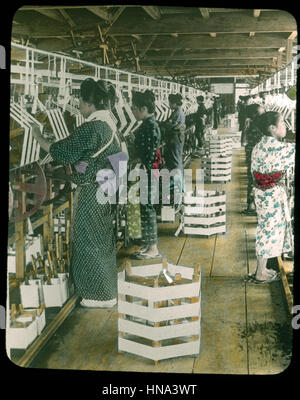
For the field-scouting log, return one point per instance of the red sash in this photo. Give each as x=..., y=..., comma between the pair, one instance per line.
x=265, y=181
x=158, y=161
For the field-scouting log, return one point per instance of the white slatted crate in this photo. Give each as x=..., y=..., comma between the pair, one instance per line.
x=56, y=294
x=167, y=214
x=21, y=337
x=204, y=213
x=159, y=320
x=217, y=169
x=32, y=295
x=236, y=139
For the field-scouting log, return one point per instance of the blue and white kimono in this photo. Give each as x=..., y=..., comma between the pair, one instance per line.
x=273, y=233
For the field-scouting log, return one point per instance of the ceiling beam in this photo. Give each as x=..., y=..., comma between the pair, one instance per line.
x=217, y=54
x=116, y=14
x=204, y=12
x=53, y=14
x=67, y=18
x=100, y=12
x=153, y=11
x=144, y=51
x=232, y=42
x=256, y=13
x=219, y=23
x=220, y=63
x=207, y=71
x=293, y=35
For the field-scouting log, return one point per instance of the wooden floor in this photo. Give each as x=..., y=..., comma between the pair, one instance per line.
x=244, y=328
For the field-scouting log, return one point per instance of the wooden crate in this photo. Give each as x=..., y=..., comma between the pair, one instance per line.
x=56, y=294
x=236, y=139
x=218, y=146
x=159, y=322
x=204, y=213
x=217, y=169
x=32, y=295
x=167, y=214
x=31, y=323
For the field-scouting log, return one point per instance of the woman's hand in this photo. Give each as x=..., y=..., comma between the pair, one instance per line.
x=36, y=133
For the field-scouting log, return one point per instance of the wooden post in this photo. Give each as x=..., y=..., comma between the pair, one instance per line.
x=48, y=211
x=19, y=229
x=289, y=49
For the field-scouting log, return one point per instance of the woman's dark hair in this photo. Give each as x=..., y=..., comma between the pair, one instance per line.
x=144, y=99
x=175, y=99
x=100, y=93
x=252, y=110
x=200, y=98
x=265, y=120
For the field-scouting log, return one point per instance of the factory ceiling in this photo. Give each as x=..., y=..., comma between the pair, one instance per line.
x=164, y=40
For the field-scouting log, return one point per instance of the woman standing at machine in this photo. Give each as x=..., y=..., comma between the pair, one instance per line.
x=271, y=161
x=200, y=121
x=251, y=136
x=174, y=142
x=93, y=252
x=147, y=142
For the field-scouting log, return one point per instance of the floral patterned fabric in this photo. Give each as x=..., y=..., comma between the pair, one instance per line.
x=273, y=233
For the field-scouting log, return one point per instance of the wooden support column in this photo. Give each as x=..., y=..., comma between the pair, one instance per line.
x=20, y=232
x=289, y=49
x=279, y=61
x=48, y=224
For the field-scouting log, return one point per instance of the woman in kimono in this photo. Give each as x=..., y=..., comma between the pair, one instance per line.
x=174, y=142
x=272, y=159
x=251, y=137
x=93, y=251
x=147, y=142
x=200, y=121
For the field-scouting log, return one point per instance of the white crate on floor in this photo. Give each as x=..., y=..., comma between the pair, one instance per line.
x=156, y=321
x=40, y=316
x=167, y=214
x=219, y=145
x=32, y=294
x=56, y=294
x=236, y=139
x=217, y=168
x=25, y=328
x=229, y=120
x=21, y=337
x=204, y=213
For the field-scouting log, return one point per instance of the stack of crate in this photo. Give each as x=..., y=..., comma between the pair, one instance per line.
x=236, y=139
x=217, y=169
x=204, y=213
x=159, y=310
x=218, y=145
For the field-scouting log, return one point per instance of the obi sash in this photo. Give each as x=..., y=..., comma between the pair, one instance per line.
x=266, y=181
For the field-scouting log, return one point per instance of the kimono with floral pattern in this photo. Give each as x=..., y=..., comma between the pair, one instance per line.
x=273, y=233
